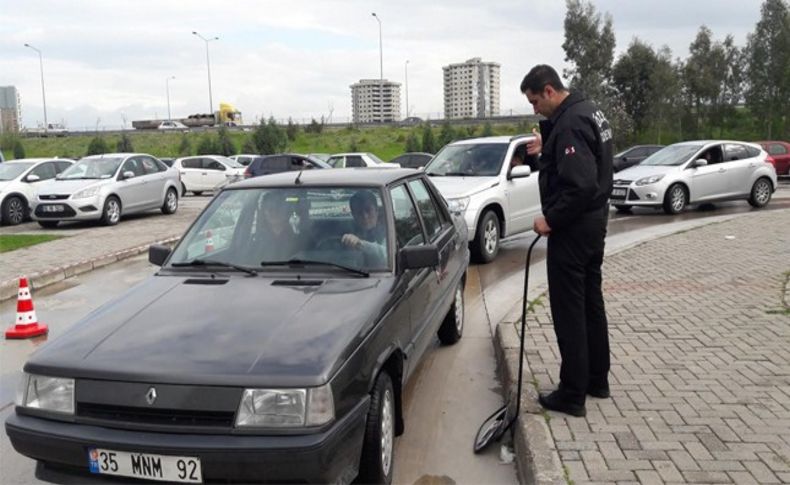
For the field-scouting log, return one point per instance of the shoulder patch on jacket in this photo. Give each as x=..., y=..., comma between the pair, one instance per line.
x=570, y=150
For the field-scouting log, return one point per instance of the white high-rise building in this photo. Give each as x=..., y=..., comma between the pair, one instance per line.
x=471, y=89
x=10, y=109
x=375, y=101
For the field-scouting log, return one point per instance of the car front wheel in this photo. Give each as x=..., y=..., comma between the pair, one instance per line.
x=112, y=211
x=13, y=211
x=170, y=205
x=453, y=325
x=486, y=244
x=675, y=199
x=375, y=465
x=761, y=193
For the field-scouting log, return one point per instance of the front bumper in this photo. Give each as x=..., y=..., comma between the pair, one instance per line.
x=87, y=209
x=638, y=195
x=330, y=456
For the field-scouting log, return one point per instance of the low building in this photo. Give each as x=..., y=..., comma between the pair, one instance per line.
x=375, y=101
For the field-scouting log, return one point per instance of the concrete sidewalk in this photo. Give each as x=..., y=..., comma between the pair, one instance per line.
x=700, y=340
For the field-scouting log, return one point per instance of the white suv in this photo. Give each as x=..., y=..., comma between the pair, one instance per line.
x=495, y=199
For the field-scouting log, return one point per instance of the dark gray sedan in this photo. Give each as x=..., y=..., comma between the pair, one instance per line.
x=273, y=344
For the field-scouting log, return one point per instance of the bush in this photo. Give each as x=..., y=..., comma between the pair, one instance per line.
x=225, y=145
x=249, y=146
x=471, y=131
x=488, y=130
x=428, y=141
x=352, y=146
x=447, y=135
x=19, y=150
x=124, y=145
x=412, y=143
x=185, y=148
x=291, y=130
x=315, y=126
x=270, y=138
x=207, y=146
x=97, y=146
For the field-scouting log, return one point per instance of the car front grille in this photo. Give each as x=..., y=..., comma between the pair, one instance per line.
x=157, y=417
x=53, y=197
x=622, y=182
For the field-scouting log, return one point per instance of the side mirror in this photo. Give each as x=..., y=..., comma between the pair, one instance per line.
x=700, y=162
x=416, y=257
x=157, y=254
x=519, y=171
x=32, y=178
x=128, y=175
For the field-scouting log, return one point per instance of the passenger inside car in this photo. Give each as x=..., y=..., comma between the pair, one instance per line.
x=369, y=235
x=274, y=238
x=712, y=155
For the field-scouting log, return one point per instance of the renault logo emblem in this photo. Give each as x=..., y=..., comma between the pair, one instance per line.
x=150, y=396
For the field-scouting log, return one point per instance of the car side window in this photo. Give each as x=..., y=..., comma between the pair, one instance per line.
x=637, y=152
x=61, y=166
x=211, y=164
x=275, y=164
x=354, y=161
x=191, y=163
x=300, y=164
x=777, y=149
x=428, y=211
x=45, y=171
x=133, y=165
x=735, y=152
x=407, y=225
x=150, y=165
x=336, y=162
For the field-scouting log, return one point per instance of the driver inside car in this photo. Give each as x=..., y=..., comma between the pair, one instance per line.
x=369, y=235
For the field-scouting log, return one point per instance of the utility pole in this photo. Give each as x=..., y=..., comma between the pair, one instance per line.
x=381, y=72
x=208, y=68
x=43, y=94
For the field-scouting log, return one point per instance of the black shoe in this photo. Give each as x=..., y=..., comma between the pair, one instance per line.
x=601, y=392
x=556, y=402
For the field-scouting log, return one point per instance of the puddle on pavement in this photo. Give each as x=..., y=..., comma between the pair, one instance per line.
x=434, y=480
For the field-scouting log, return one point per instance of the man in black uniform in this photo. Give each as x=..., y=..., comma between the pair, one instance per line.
x=575, y=147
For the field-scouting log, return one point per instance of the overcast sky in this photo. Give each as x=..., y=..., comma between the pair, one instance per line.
x=108, y=59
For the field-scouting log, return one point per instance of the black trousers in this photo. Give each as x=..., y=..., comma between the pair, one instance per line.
x=573, y=261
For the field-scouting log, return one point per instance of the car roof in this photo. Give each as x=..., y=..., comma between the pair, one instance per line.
x=38, y=160
x=349, y=153
x=357, y=176
x=484, y=139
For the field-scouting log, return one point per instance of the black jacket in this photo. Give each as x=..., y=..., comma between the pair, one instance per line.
x=576, y=162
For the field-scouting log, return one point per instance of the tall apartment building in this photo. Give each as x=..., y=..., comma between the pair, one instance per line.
x=375, y=101
x=10, y=109
x=471, y=89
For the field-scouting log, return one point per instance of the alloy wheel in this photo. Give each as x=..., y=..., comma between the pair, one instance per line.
x=172, y=201
x=678, y=199
x=762, y=192
x=16, y=211
x=113, y=211
x=491, y=236
x=387, y=432
x=459, y=309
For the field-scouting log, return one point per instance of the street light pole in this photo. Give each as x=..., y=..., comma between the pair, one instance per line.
x=43, y=93
x=406, y=68
x=167, y=87
x=381, y=71
x=208, y=67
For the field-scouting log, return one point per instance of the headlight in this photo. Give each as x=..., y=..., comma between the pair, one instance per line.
x=84, y=194
x=285, y=408
x=458, y=205
x=47, y=393
x=649, y=180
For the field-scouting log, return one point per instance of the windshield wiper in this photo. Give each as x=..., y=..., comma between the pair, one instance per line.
x=456, y=174
x=302, y=262
x=209, y=262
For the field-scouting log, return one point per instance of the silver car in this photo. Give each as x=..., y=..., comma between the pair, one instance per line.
x=105, y=187
x=696, y=172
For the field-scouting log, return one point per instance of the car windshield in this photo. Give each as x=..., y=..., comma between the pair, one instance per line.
x=10, y=171
x=468, y=160
x=672, y=155
x=230, y=162
x=296, y=228
x=92, y=168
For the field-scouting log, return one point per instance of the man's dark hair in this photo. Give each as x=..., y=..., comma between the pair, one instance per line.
x=540, y=76
x=362, y=199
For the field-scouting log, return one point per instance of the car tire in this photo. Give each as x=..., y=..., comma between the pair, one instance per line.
x=485, y=247
x=676, y=199
x=375, y=465
x=170, y=205
x=761, y=193
x=453, y=325
x=111, y=214
x=48, y=224
x=623, y=208
x=197, y=192
x=14, y=211
x=183, y=189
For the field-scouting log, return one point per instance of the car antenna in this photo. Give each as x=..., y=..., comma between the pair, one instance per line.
x=297, y=181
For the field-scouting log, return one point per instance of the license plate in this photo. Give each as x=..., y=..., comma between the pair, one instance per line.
x=619, y=192
x=53, y=208
x=179, y=469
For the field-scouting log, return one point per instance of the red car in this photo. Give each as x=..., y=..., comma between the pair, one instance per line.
x=779, y=151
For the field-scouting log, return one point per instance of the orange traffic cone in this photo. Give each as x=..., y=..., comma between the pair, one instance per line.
x=26, y=322
x=209, y=242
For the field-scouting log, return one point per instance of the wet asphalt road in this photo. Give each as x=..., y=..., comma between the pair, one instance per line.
x=454, y=389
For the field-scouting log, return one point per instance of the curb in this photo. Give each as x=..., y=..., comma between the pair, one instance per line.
x=10, y=288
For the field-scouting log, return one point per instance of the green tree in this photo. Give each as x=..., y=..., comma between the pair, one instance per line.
x=315, y=126
x=224, y=143
x=768, y=71
x=488, y=130
x=291, y=130
x=19, y=150
x=471, y=131
x=703, y=77
x=428, y=141
x=97, y=146
x=249, y=146
x=207, y=145
x=412, y=143
x=589, y=48
x=124, y=144
x=447, y=134
x=353, y=146
x=632, y=77
x=270, y=138
x=185, y=147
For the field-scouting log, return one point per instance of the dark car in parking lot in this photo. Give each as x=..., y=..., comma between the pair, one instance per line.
x=633, y=156
x=273, y=344
x=413, y=159
x=282, y=162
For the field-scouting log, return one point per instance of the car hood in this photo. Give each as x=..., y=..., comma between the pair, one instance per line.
x=453, y=187
x=639, y=171
x=68, y=186
x=245, y=331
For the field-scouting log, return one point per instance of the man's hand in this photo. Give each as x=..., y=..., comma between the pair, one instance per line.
x=351, y=241
x=541, y=226
x=535, y=146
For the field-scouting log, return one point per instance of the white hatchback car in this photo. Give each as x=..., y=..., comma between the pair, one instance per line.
x=495, y=199
x=105, y=187
x=19, y=180
x=695, y=172
x=358, y=159
x=207, y=172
